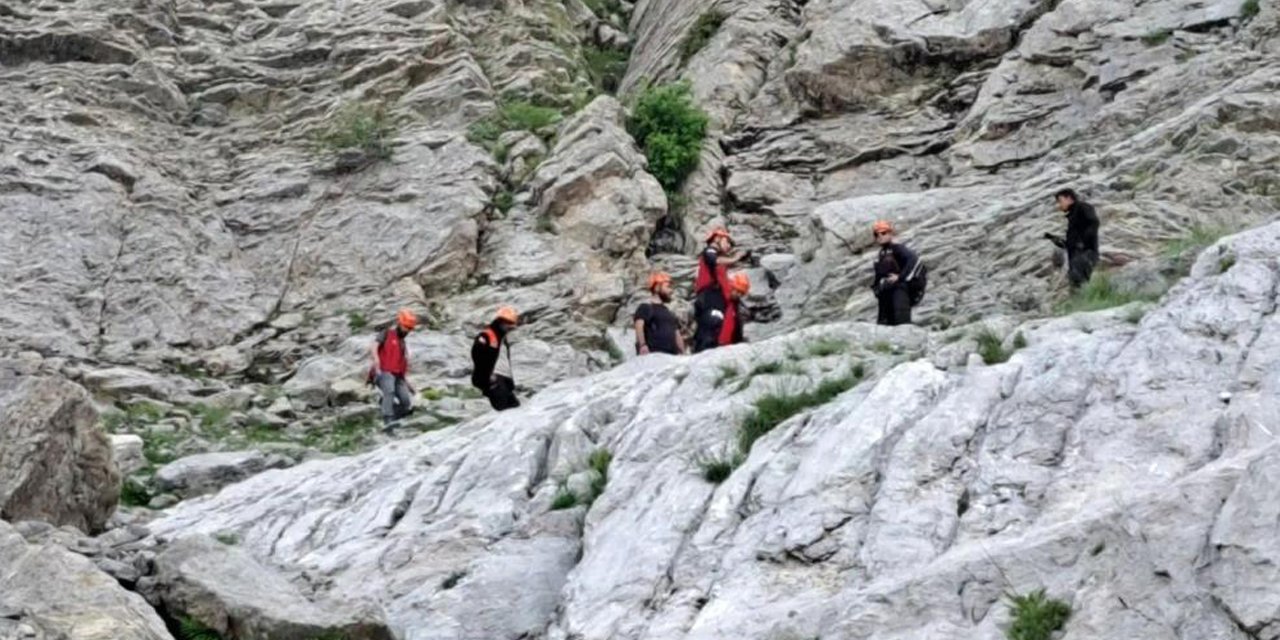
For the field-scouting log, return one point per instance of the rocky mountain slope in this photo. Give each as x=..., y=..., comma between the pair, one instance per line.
x=207, y=208
x=1100, y=462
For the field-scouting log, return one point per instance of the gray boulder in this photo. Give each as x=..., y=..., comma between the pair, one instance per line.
x=126, y=450
x=55, y=461
x=225, y=589
x=207, y=472
x=49, y=593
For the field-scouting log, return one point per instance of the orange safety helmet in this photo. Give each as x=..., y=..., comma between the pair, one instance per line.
x=407, y=320
x=882, y=226
x=507, y=314
x=718, y=232
x=740, y=283
x=657, y=279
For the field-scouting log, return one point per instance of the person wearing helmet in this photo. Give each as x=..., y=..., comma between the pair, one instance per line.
x=715, y=261
x=735, y=314
x=657, y=330
x=895, y=263
x=491, y=361
x=1081, y=242
x=390, y=359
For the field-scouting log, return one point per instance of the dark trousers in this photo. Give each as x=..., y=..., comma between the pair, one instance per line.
x=708, y=312
x=502, y=394
x=895, y=307
x=1080, y=267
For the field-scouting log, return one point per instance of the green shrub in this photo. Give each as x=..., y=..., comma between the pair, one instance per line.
x=605, y=67
x=598, y=462
x=1225, y=263
x=1099, y=293
x=670, y=129
x=512, y=115
x=356, y=320
x=991, y=347
x=157, y=446
x=706, y=27
x=565, y=499
x=134, y=494
x=717, y=468
x=1250, y=8
x=1019, y=341
x=364, y=127
x=773, y=409
x=1194, y=241
x=1158, y=37
x=504, y=200
x=1035, y=616
x=192, y=629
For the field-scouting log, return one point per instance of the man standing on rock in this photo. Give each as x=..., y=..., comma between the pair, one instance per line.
x=719, y=327
x=1081, y=243
x=491, y=361
x=711, y=288
x=657, y=330
x=895, y=265
x=390, y=365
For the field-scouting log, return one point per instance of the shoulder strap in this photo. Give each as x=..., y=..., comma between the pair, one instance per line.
x=490, y=335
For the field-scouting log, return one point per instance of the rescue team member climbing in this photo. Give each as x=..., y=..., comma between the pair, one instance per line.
x=657, y=330
x=390, y=365
x=711, y=287
x=735, y=317
x=491, y=361
x=895, y=265
x=1081, y=243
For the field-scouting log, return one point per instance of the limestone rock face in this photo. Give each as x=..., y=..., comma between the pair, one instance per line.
x=1095, y=463
x=208, y=472
x=47, y=592
x=55, y=462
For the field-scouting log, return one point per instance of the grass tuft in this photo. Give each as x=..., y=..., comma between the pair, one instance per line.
x=134, y=494
x=364, y=127
x=991, y=347
x=1036, y=616
x=228, y=538
x=701, y=33
x=1099, y=293
x=773, y=409
x=717, y=468
x=1157, y=37
x=356, y=320
x=824, y=347
x=565, y=498
x=191, y=629
x=727, y=373
x=599, y=462
x=1250, y=8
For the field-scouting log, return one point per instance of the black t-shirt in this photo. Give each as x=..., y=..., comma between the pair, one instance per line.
x=660, y=328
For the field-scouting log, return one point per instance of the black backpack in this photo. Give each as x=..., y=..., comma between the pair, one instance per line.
x=917, y=280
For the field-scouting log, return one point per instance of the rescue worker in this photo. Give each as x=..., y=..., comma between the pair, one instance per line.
x=390, y=359
x=491, y=361
x=1081, y=242
x=735, y=314
x=711, y=287
x=894, y=265
x=657, y=330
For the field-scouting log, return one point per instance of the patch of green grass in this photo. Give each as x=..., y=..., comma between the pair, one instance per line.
x=512, y=115
x=670, y=129
x=452, y=580
x=365, y=127
x=503, y=200
x=824, y=347
x=1157, y=37
x=1035, y=616
x=141, y=413
x=773, y=409
x=191, y=629
x=356, y=320
x=727, y=373
x=717, y=468
x=262, y=432
x=766, y=368
x=701, y=33
x=564, y=499
x=134, y=493
x=882, y=347
x=501, y=152
x=346, y=435
x=1194, y=241
x=603, y=8
x=1250, y=8
x=1226, y=262
x=228, y=538
x=158, y=446
x=211, y=417
x=431, y=395
x=598, y=462
x=991, y=347
x=605, y=67
x=1099, y=293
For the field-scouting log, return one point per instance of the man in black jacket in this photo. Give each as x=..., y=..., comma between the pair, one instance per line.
x=895, y=265
x=1081, y=243
x=491, y=359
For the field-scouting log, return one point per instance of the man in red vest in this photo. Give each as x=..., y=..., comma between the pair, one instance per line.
x=391, y=365
x=735, y=317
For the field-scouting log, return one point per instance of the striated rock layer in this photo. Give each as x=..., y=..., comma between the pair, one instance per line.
x=1101, y=462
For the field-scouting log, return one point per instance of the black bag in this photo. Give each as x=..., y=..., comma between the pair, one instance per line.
x=917, y=280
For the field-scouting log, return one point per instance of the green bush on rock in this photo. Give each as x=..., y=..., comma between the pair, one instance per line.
x=670, y=129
